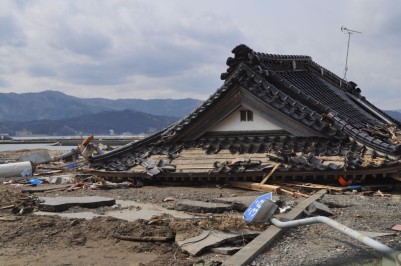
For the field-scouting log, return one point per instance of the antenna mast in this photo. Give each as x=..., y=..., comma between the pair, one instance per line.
x=349, y=32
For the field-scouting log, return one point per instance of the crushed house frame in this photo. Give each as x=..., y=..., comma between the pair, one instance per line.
x=281, y=112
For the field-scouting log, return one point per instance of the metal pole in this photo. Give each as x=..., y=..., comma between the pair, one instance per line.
x=387, y=251
x=346, y=58
x=349, y=32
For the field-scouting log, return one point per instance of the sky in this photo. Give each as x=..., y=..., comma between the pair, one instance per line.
x=177, y=49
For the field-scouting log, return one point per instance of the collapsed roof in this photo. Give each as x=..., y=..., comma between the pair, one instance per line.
x=299, y=115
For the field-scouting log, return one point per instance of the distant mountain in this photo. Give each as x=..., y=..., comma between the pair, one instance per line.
x=396, y=114
x=99, y=124
x=56, y=105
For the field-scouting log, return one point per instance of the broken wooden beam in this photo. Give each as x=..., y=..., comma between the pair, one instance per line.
x=269, y=174
x=255, y=186
x=87, y=140
x=265, y=239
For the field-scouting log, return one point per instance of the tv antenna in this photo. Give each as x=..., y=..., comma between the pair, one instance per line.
x=349, y=32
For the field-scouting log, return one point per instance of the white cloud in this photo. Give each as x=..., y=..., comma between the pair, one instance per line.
x=176, y=48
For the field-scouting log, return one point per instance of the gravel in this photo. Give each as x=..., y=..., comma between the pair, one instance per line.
x=319, y=244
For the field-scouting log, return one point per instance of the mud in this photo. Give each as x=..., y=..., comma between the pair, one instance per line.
x=30, y=239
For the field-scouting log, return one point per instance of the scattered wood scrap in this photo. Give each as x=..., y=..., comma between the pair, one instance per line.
x=255, y=186
x=268, y=188
x=269, y=174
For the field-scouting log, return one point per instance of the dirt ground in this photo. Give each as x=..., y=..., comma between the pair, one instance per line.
x=30, y=239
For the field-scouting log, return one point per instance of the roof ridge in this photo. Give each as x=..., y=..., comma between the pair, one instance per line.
x=243, y=53
x=283, y=57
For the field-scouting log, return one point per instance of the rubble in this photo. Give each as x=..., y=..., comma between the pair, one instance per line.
x=70, y=175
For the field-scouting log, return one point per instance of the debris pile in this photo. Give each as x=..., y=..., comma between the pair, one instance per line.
x=48, y=187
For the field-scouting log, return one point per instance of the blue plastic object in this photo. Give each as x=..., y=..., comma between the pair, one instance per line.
x=35, y=181
x=354, y=187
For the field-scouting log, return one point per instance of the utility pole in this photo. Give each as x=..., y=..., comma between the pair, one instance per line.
x=349, y=32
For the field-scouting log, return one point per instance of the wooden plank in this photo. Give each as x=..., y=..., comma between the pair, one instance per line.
x=221, y=158
x=269, y=174
x=213, y=160
x=254, y=186
x=202, y=151
x=226, y=154
x=211, y=166
x=195, y=167
x=221, y=152
x=229, y=160
x=159, y=157
x=265, y=239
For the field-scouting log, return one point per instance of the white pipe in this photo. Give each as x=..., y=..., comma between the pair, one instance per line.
x=387, y=251
x=16, y=169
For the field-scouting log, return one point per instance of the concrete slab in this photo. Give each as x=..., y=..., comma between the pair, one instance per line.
x=208, y=239
x=202, y=206
x=43, y=188
x=36, y=157
x=143, y=211
x=317, y=208
x=136, y=212
x=59, y=204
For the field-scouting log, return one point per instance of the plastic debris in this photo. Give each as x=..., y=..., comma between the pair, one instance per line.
x=35, y=181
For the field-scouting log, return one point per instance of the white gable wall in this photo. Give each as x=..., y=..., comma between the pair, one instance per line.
x=233, y=123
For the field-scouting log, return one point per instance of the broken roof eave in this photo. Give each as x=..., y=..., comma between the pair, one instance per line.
x=126, y=148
